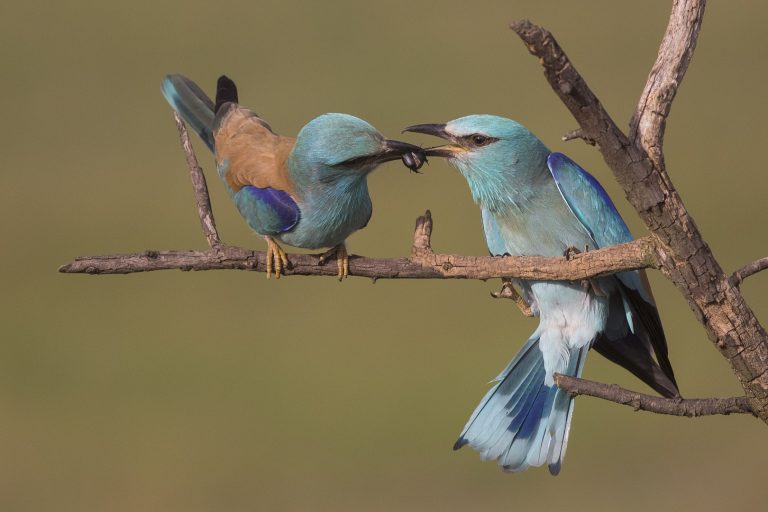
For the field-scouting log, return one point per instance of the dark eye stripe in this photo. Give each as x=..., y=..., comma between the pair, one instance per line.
x=478, y=140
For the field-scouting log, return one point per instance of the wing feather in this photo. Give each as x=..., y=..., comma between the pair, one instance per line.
x=254, y=154
x=591, y=205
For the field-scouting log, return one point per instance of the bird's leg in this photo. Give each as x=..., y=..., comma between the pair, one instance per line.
x=276, y=258
x=508, y=292
x=342, y=259
x=569, y=253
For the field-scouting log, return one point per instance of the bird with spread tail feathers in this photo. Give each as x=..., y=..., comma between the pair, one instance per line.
x=309, y=192
x=536, y=202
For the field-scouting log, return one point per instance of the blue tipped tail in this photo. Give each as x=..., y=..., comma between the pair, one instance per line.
x=521, y=421
x=192, y=104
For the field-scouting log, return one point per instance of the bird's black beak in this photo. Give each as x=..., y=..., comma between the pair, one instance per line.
x=412, y=156
x=438, y=130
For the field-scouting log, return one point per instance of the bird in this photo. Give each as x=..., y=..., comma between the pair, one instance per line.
x=310, y=191
x=537, y=202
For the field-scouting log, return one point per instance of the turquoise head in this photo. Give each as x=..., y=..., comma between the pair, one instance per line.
x=500, y=158
x=341, y=146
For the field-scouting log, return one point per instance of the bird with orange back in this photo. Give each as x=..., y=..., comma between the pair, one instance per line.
x=310, y=191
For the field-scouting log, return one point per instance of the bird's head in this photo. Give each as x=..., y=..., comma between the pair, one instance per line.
x=496, y=155
x=336, y=145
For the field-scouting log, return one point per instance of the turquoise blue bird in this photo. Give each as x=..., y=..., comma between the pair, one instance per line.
x=311, y=191
x=536, y=202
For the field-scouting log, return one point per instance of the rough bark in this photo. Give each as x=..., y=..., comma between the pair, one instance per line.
x=638, y=165
x=423, y=263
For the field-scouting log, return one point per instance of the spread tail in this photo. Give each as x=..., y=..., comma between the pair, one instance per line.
x=192, y=104
x=522, y=421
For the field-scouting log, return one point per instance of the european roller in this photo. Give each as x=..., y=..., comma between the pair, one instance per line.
x=536, y=202
x=310, y=191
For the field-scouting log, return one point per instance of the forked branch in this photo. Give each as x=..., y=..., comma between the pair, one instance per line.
x=638, y=165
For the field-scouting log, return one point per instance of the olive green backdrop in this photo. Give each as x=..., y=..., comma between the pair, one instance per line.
x=218, y=391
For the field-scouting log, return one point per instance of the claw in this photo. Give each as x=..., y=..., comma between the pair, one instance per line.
x=570, y=252
x=276, y=258
x=508, y=292
x=342, y=259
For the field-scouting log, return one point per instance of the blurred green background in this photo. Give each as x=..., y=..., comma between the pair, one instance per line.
x=214, y=391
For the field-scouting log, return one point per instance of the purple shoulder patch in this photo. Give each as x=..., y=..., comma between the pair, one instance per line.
x=282, y=210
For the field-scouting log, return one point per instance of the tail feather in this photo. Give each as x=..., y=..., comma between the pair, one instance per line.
x=490, y=423
x=521, y=421
x=523, y=445
x=226, y=92
x=192, y=104
x=494, y=432
x=563, y=426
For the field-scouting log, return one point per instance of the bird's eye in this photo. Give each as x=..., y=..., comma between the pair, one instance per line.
x=480, y=140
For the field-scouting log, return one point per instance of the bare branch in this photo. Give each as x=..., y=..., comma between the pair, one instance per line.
x=690, y=407
x=594, y=122
x=684, y=257
x=675, y=53
x=578, y=133
x=422, y=237
x=748, y=270
x=426, y=265
x=200, y=187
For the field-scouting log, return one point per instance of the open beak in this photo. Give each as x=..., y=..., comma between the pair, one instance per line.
x=412, y=156
x=438, y=130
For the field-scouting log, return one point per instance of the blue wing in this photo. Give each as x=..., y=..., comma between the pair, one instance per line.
x=266, y=210
x=591, y=205
x=588, y=201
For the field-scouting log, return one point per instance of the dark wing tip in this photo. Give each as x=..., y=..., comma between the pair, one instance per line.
x=460, y=442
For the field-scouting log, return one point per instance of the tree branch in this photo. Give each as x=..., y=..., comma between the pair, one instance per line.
x=423, y=264
x=684, y=257
x=690, y=407
x=646, y=129
x=200, y=187
x=577, y=133
x=753, y=268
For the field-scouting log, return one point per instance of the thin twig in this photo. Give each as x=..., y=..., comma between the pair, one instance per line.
x=578, y=133
x=200, y=187
x=690, y=407
x=748, y=270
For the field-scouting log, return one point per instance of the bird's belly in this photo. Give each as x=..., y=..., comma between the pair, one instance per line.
x=323, y=226
x=571, y=316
